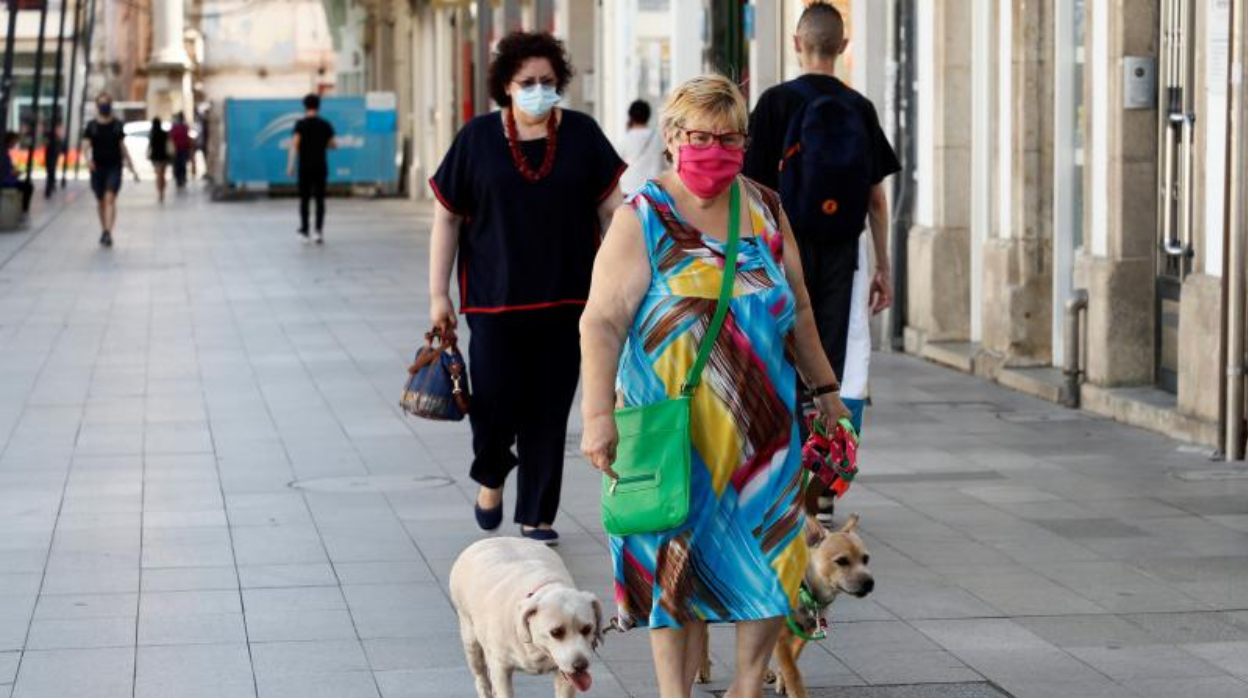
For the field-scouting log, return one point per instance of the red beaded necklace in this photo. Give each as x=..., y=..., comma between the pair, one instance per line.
x=522, y=163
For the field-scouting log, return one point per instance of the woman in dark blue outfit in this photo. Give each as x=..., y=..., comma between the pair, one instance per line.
x=525, y=194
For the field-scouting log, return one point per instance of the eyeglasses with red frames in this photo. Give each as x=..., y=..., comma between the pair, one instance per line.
x=701, y=140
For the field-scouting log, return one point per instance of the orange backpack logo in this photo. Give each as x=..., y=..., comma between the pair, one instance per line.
x=830, y=207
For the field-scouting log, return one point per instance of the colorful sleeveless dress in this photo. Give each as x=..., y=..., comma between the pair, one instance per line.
x=741, y=554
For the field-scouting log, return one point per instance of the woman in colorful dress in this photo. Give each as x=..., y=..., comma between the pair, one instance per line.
x=524, y=195
x=741, y=555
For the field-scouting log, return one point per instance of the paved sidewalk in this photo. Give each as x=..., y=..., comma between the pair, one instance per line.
x=158, y=400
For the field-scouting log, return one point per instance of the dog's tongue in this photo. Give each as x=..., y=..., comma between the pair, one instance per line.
x=582, y=680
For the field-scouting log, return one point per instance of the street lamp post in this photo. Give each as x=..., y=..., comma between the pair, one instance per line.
x=69, y=94
x=34, y=128
x=89, y=23
x=6, y=82
x=54, y=143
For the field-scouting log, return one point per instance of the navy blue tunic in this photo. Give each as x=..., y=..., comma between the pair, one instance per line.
x=526, y=245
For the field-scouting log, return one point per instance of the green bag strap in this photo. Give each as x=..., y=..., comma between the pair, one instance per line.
x=725, y=293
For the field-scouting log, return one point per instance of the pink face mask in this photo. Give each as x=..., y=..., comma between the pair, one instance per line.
x=707, y=172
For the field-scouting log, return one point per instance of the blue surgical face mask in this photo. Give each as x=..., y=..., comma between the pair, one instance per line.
x=537, y=100
x=104, y=108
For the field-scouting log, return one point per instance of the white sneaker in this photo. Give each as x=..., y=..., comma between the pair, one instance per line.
x=320, y=238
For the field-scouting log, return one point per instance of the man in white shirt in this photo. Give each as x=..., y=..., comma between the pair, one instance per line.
x=641, y=148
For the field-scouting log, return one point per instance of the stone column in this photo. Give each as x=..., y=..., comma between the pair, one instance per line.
x=168, y=27
x=1018, y=276
x=168, y=90
x=1118, y=265
x=938, y=292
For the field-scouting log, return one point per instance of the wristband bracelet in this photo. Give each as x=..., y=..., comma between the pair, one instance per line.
x=825, y=390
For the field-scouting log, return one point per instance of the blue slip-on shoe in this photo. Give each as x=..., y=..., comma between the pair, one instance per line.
x=488, y=519
x=542, y=535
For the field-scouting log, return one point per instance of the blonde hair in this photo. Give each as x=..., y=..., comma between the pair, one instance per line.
x=714, y=97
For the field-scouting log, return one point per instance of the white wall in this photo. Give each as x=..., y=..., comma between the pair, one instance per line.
x=925, y=137
x=282, y=60
x=1005, y=119
x=1217, y=50
x=689, y=34
x=1098, y=140
x=982, y=191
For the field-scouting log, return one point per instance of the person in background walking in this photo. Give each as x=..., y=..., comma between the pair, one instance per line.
x=740, y=556
x=158, y=154
x=642, y=149
x=9, y=177
x=54, y=150
x=313, y=138
x=183, y=148
x=524, y=196
x=831, y=253
x=820, y=143
x=106, y=153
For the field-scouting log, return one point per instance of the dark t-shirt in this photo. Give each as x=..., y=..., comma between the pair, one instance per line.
x=778, y=106
x=158, y=145
x=315, y=134
x=106, y=140
x=526, y=245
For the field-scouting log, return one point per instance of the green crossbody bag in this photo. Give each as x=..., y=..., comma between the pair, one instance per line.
x=654, y=451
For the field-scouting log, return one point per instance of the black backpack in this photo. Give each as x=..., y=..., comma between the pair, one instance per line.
x=825, y=168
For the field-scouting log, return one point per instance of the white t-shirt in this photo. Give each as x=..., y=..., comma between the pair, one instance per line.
x=642, y=149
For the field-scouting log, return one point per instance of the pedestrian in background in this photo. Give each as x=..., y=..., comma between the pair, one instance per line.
x=642, y=149
x=9, y=177
x=827, y=140
x=158, y=147
x=656, y=284
x=54, y=149
x=313, y=139
x=183, y=148
x=106, y=153
x=524, y=195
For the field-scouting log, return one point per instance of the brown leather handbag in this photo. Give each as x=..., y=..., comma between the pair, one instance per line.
x=437, y=383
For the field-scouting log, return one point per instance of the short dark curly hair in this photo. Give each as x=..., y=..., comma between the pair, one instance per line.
x=516, y=48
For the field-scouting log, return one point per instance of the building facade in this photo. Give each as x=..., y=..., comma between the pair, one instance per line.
x=1075, y=149
x=1068, y=204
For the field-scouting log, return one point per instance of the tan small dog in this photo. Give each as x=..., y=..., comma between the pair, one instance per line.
x=838, y=564
x=519, y=611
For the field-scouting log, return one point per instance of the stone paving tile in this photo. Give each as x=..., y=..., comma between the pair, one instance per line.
x=300, y=625
x=146, y=501
x=189, y=579
x=279, y=576
x=80, y=633
x=197, y=671
x=311, y=657
x=192, y=629
x=356, y=684
x=82, y=673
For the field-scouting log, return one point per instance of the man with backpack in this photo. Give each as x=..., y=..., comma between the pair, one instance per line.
x=819, y=143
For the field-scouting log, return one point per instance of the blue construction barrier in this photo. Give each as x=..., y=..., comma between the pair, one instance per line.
x=258, y=133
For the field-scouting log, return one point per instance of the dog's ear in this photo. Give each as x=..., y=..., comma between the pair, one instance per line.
x=525, y=613
x=815, y=532
x=598, y=638
x=851, y=524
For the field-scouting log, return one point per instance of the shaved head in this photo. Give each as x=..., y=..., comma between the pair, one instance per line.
x=821, y=31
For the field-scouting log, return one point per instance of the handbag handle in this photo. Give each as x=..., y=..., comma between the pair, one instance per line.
x=446, y=338
x=725, y=294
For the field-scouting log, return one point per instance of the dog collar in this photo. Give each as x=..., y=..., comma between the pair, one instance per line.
x=807, y=601
x=541, y=586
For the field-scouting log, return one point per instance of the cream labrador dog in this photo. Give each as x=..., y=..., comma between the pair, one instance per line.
x=519, y=611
